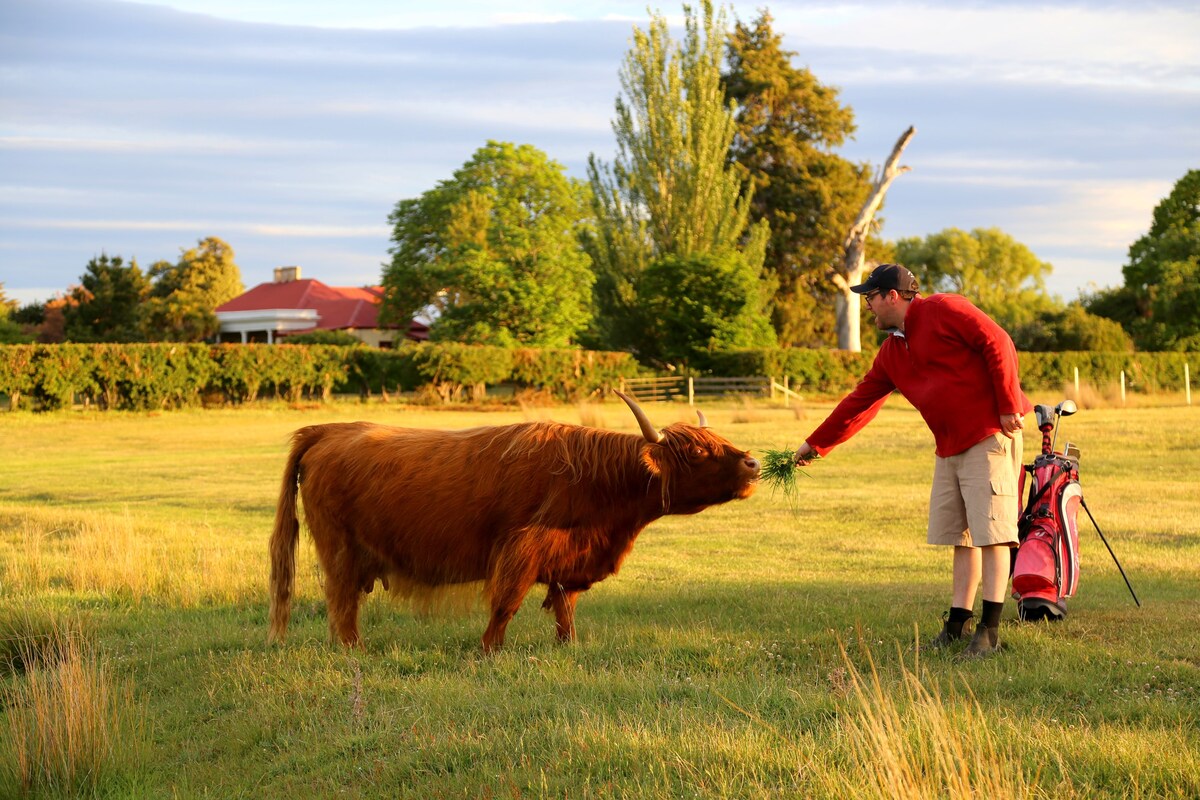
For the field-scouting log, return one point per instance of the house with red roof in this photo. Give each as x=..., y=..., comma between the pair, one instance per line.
x=290, y=305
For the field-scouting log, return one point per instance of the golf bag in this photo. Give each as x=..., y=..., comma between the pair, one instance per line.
x=1046, y=568
x=1045, y=565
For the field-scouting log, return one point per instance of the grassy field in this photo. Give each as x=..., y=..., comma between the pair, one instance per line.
x=760, y=649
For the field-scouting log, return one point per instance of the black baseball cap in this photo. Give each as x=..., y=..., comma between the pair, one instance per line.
x=886, y=277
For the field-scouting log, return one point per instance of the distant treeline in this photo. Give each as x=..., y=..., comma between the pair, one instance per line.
x=160, y=376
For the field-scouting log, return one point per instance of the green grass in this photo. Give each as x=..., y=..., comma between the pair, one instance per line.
x=760, y=649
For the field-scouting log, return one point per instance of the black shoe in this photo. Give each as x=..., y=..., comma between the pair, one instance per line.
x=985, y=642
x=946, y=637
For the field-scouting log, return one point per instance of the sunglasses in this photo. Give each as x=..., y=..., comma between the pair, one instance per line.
x=871, y=295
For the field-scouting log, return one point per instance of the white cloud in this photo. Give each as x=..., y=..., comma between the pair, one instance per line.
x=131, y=142
x=1091, y=214
x=286, y=230
x=1071, y=45
x=407, y=14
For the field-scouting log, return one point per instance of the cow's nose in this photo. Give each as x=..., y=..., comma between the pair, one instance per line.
x=752, y=463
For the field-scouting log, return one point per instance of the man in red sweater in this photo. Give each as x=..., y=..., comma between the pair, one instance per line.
x=959, y=369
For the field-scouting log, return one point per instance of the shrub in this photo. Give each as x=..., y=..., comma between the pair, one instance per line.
x=571, y=375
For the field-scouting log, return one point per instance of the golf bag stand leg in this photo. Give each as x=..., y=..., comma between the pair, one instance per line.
x=1110, y=552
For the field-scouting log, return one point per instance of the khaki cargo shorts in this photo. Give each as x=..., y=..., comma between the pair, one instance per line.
x=973, y=502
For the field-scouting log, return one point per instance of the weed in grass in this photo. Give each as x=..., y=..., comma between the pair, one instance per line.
x=70, y=724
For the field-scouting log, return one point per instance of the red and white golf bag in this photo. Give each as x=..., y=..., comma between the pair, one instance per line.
x=1046, y=569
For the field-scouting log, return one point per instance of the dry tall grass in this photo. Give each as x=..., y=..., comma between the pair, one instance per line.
x=121, y=557
x=70, y=722
x=746, y=412
x=913, y=743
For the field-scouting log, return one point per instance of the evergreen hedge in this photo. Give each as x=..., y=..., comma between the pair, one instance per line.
x=156, y=376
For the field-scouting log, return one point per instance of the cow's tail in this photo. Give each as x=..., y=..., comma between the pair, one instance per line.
x=285, y=538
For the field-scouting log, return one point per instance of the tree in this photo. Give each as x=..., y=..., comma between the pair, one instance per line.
x=6, y=306
x=1071, y=328
x=848, y=306
x=107, y=305
x=996, y=272
x=788, y=125
x=495, y=252
x=10, y=328
x=1160, y=301
x=702, y=303
x=670, y=191
x=185, y=294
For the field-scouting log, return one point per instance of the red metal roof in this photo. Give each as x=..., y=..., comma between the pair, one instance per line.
x=338, y=307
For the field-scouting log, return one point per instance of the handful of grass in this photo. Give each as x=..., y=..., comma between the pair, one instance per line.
x=779, y=471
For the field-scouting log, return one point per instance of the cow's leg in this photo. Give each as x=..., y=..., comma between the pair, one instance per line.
x=339, y=558
x=562, y=601
x=508, y=588
x=342, y=596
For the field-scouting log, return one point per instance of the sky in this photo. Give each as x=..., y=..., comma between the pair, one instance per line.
x=291, y=129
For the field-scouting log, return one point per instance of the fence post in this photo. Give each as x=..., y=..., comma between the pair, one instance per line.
x=772, y=387
x=1187, y=383
x=1077, y=384
x=1122, y=387
x=787, y=398
x=691, y=392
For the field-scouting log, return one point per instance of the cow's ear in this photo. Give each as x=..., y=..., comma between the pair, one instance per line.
x=652, y=458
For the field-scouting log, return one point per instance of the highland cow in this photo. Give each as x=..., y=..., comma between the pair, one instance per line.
x=511, y=506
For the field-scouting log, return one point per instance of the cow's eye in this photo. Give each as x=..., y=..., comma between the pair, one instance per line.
x=699, y=452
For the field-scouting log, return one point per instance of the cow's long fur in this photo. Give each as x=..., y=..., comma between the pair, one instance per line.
x=510, y=506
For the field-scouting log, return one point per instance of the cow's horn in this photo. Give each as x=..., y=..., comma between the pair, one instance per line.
x=652, y=435
x=703, y=421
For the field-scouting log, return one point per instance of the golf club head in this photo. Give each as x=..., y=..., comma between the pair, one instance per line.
x=1066, y=408
x=1045, y=416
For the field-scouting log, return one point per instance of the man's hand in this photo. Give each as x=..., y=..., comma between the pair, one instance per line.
x=805, y=455
x=1011, y=423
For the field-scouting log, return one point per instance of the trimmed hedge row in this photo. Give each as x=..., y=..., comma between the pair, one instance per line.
x=151, y=376
x=1144, y=372
x=154, y=376
x=836, y=371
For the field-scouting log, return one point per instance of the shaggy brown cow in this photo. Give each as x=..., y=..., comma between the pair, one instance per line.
x=512, y=505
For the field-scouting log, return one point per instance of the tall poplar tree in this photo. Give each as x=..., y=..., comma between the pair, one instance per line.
x=670, y=192
x=788, y=126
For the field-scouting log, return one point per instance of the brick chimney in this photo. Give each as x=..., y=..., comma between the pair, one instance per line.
x=287, y=274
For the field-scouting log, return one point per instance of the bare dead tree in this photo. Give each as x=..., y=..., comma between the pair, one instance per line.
x=854, y=260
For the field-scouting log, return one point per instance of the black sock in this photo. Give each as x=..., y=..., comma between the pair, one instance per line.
x=958, y=617
x=991, y=614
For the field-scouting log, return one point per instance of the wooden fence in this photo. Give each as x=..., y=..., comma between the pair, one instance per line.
x=690, y=388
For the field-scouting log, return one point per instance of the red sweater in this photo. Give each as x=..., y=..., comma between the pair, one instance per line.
x=953, y=363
